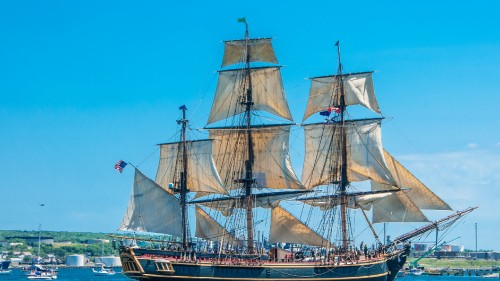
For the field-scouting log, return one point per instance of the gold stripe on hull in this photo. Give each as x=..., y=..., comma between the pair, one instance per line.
x=275, y=265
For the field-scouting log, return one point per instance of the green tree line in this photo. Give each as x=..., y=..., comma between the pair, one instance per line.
x=78, y=244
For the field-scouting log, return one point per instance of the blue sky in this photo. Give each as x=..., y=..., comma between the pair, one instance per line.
x=84, y=84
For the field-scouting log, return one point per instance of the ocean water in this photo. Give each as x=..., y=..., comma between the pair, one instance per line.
x=444, y=278
x=69, y=274
x=86, y=274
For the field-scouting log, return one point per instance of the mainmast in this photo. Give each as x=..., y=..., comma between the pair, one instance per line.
x=255, y=148
x=248, y=181
x=183, y=189
x=343, y=169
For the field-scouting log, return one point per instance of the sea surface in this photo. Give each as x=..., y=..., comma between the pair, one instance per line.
x=84, y=274
x=69, y=274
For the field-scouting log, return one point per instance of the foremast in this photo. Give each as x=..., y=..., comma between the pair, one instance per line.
x=183, y=178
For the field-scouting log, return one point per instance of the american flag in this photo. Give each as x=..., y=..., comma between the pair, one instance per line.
x=120, y=165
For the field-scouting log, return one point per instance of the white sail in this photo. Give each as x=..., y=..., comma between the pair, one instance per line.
x=271, y=167
x=260, y=50
x=395, y=208
x=325, y=92
x=287, y=228
x=202, y=174
x=267, y=93
x=151, y=209
x=418, y=193
x=363, y=201
x=404, y=206
x=365, y=159
x=210, y=229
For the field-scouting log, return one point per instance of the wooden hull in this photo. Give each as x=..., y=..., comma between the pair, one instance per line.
x=150, y=265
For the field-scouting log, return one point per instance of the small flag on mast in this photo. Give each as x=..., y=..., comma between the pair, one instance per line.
x=242, y=20
x=329, y=110
x=120, y=165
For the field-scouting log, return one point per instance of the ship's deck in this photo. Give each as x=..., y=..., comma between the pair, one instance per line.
x=252, y=263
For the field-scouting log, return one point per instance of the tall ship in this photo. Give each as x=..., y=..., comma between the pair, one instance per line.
x=255, y=219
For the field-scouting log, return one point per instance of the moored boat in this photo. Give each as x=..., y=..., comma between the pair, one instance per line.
x=38, y=272
x=103, y=271
x=5, y=271
x=4, y=264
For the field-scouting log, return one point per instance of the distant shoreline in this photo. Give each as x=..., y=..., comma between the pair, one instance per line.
x=433, y=263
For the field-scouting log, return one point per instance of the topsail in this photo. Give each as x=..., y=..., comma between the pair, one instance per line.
x=261, y=50
x=267, y=93
x=325, y=92
x=365, y=159
x=271, y=166
x=202, y=174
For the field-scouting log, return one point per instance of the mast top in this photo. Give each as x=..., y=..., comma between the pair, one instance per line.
x=244, y=20
x=338, y=55
x=183, y=121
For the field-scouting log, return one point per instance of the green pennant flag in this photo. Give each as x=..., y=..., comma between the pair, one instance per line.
x=242, y=20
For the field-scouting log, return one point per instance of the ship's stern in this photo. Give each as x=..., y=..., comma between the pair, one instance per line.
x=131, y=266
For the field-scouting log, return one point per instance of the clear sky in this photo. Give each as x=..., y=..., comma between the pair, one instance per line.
x=86, y=83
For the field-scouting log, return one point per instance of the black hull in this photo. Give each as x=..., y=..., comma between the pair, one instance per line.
x=4, y=265
x=162, y=265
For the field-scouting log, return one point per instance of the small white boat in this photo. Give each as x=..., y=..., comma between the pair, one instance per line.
x=5, y=271
x=401, y=273
x=103, y=271
x=415, y=272
x=39, y=273
x=42, y=275
x=492, y=275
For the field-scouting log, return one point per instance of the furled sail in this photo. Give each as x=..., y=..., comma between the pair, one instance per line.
x=210, y=229
x=365, y=159
x=271, y=167
x=418, y=193
x=202, y=174
x=267, y=93
x=260, y=50
x=325, y=92
x=357, y=200
x=396, y=208
x=226, y=205
x=151, y=209
x=287, y=228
